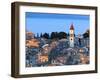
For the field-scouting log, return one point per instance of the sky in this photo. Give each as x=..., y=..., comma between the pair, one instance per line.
x=47, y=22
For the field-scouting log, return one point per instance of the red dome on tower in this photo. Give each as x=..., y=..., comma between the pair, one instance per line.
x=71, y=27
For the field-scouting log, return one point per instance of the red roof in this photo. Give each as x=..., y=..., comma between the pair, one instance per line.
x=72, y=27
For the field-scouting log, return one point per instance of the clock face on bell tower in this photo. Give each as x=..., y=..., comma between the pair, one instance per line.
x=71, y=31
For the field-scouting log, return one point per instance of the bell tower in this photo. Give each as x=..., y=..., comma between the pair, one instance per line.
x=71, y=37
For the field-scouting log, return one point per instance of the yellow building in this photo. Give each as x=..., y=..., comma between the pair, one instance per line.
x=43, y=58
x=32, y=43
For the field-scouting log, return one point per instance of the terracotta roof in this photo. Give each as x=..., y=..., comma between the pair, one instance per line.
x=72, y=27
x=32, y=43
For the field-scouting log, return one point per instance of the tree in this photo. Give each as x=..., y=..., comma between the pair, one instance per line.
x=62, y=35
x=79, y=40
x=86, y=34
x=74, y=35
x=41, y=35
x=45, y=35
x=54, y=35
x=37, y=35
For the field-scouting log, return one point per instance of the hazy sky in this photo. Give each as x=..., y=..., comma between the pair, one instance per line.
x=45, y=22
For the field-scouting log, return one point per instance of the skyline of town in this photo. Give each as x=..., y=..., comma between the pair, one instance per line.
x=57, y=50
x=57, y=32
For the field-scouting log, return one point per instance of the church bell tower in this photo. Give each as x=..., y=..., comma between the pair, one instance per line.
x=71, y=37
